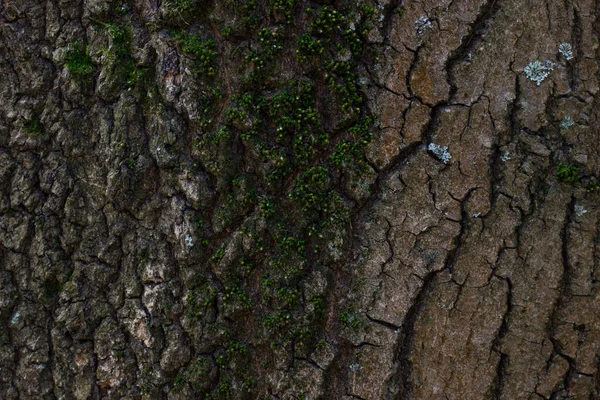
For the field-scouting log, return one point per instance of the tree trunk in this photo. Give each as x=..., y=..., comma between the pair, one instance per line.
x=296, y=199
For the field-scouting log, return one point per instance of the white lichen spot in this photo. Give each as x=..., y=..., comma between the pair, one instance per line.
x=566, y=50
x=537, y=72
x=355, y=367
x=579, y=210
x=189, y=241
x=567, y=122
x=422, y=24
x=505, y=157
x=440, y=152
x=15, y=319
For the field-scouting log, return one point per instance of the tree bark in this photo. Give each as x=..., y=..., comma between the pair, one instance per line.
x=299, y=199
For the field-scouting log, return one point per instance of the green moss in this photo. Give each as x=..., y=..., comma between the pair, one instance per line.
x=197, y=375
x=227, y=32
x=234, y=350
x=121, y=40
x=301, y=140
x=217, y=256
x=351, y=319
x=203, y=51
x=79, y=62
x=593, y=186
x=267, y=208
x=568, y=174
x=283, y=7
x=201, y=299
x=311, y=190
x=329, y=20
x=309, y=48
x=223, y=391
x=120, y=55
x=270, y=43
x=182, y=8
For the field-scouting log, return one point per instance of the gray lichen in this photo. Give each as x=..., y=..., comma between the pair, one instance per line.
x=422, y=24
x=537, y=72
x=567, y=122
x=440, y=152
x=566, y=50
x=580, y=210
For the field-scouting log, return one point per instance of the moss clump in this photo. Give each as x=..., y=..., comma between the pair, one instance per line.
x=120, y=54
x=311, y=190
x=283, y=7
x=351, y=319
x=79, y=62
x=121, y=40
x=182, y=8
x=204, y=52
x=309, y=48
x=568, y=173
x=262, y=60
x=593, y=186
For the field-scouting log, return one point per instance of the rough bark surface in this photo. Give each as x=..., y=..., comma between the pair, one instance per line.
x=295, y=199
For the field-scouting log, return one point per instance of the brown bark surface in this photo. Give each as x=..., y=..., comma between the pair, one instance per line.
x=294, y=199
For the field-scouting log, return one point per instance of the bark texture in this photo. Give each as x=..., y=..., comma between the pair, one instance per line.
x=294, y=199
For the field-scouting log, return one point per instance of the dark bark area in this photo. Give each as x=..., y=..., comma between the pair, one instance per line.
x=294, y=199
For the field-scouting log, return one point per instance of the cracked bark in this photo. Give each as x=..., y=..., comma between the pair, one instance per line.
x=467, y=280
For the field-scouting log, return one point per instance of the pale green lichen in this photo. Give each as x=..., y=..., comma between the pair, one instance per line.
x=567, y=122
x=422, y=24
x=566, y=50
x=537, y=72
x=440, y=152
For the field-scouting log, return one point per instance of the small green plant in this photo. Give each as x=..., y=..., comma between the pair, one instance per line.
x=284, y=7
x=267, y=208
x=568, y=173
x=234, y=349
x=203, y=51
x=311, y=189
x=120, y=54
x=593, y=186
x=227, y=32
x=122, y=39
x=224, y=390
x=270, y=41
x=328, y=20
x=182, y=8
x=79, y=62
x=218, y=256
x=309, y=47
